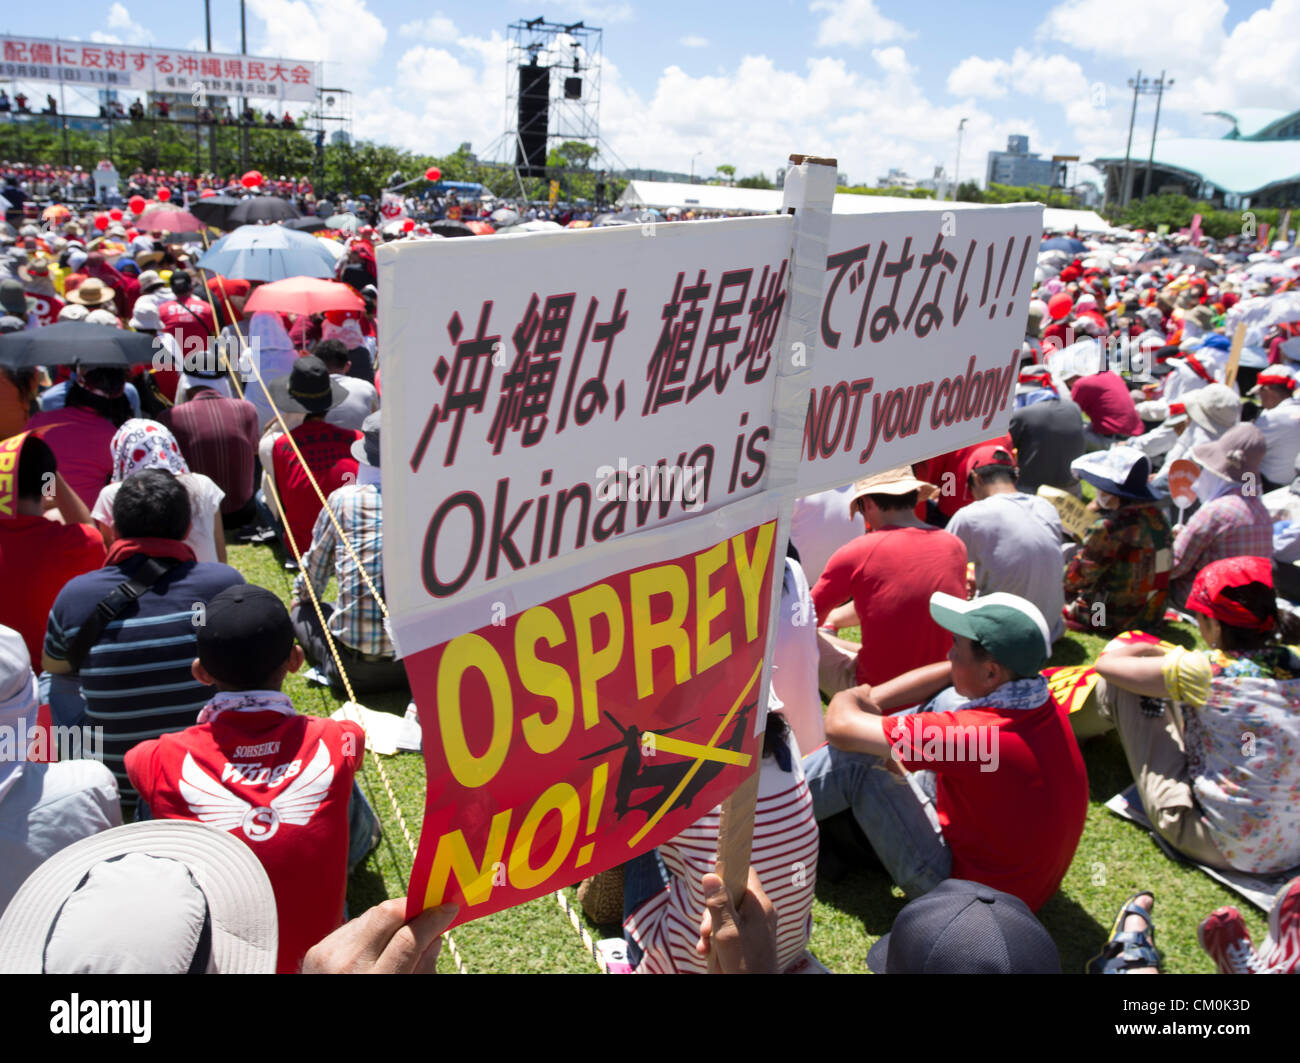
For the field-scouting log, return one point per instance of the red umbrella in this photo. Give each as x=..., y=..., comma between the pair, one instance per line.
x=480, y=228
x=168, y=220
x=303, y=295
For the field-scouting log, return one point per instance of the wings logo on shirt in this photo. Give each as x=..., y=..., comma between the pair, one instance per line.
x=213, y=804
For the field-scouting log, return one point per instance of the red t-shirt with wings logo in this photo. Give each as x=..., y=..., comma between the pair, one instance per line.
x=281, y=784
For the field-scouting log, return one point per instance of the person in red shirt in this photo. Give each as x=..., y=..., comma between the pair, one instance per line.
x=252, y=766
x=189, y=321
x=80, y=434
x=951, y=474
x=889, y=574
x=1111, y=411
x=327, y=450
x=994, y=756
x=38, y=556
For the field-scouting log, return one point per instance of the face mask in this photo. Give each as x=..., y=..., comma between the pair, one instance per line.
x=1209, y=486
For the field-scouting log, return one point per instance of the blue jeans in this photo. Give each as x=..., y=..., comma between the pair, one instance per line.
x=897, y=815
x=643, y=877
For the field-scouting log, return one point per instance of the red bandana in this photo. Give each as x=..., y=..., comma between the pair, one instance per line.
x=1207, y=595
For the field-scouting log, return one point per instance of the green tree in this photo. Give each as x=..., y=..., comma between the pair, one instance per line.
x=574, y=154
x=758, y=180
x=727, y=170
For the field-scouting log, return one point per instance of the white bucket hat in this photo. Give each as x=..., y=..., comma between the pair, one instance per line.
x=158, y=897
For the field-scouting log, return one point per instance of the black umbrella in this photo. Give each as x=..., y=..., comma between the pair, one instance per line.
x=451, y=227
x=1159, y=251
x=263, y=208
x=215, y=210
x=306, y=225
x=1197, y=259
x=76, y=343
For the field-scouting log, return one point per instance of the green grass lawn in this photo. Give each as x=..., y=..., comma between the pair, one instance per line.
x=1114, y=858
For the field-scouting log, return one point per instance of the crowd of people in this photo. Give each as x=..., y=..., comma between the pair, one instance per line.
x=930, y=739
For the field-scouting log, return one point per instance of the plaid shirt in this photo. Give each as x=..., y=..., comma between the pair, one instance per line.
x=1228, y=526
x=357, y=621
x=1121, y=568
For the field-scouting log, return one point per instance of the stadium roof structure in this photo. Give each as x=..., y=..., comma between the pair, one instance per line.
x=1258, y=159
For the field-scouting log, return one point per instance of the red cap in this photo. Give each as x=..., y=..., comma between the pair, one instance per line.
x=1208, y=598
x=988, y=454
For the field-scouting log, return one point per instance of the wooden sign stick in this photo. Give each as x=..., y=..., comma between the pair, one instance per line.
x=1238, y=341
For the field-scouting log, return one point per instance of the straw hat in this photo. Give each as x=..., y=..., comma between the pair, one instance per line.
x=92, y=292
x=899, y=481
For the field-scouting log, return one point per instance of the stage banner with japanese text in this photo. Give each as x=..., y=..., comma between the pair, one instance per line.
x=917, y=346
x=136, y=68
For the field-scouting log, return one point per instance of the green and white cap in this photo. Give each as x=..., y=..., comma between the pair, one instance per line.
x=1009, y=627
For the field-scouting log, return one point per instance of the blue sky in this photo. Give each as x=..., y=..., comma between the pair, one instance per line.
x=876, y=83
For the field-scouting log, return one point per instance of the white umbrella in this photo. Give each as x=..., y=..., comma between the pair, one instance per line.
x=1261, y=313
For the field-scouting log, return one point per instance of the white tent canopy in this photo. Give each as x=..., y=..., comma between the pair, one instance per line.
x=1058, y=220
x=665, y=194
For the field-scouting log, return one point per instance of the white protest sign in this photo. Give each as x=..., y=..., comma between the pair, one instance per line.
x=559, y=390
x=918, y=342
x=564, y=390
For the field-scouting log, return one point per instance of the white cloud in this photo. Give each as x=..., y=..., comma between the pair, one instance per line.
x=1141, y=32
x=981, y=78
x=437, y=27
x=694, y=42
x=343, y=33
x=122, y=29
x=869, y=118
x=855, y=22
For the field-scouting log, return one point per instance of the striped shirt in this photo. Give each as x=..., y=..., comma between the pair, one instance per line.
x=667, y=926
x=218, y=437
x=357, y=620
x=136, y=679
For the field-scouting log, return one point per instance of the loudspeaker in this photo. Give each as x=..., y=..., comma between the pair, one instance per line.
x=573, y=88
x=534, y=118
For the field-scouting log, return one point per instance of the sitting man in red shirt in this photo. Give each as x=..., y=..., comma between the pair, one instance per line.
x=889, y=574
x=995, y=789
x=252, y=766
x=309, y=388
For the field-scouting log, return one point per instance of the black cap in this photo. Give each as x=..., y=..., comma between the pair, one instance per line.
x=245, y=636
x=962, y=927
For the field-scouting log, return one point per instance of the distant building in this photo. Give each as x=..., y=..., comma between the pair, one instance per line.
x=938, y=184
x=897, y=178
x=1019, y=166
x=1255, y=163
